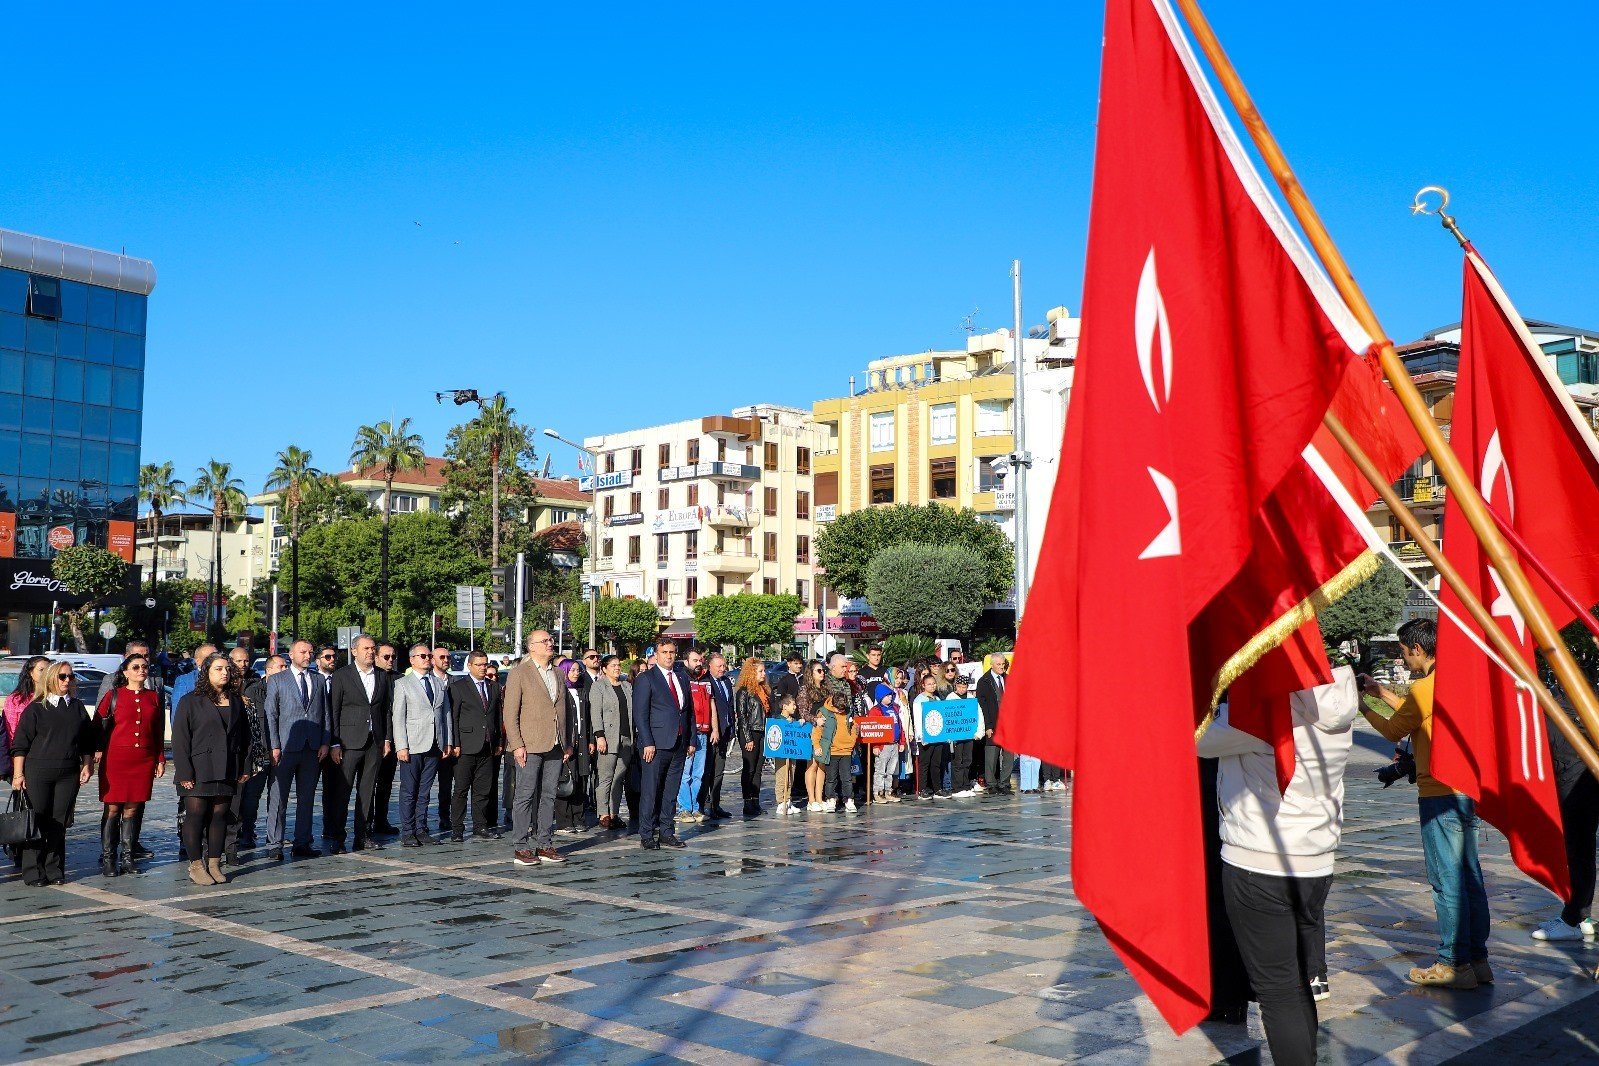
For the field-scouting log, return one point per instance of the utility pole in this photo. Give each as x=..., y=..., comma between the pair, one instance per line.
x=521, y=596
x=1021, y=459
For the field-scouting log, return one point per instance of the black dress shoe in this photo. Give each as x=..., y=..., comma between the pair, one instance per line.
x=424, y=838
x=647, y=843
x=486, y=834
x=275, y=855
x=385, y=829
x=720, y=813
x=59, y=879
x=305, y=851
x=457, y=838
x=336, y=847
x=35, y=882
x=410, y=842
x=672, y=842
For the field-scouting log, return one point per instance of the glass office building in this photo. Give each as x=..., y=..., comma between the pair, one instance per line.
x=72, y=356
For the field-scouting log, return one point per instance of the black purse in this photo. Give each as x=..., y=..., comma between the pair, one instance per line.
x=566, y=784
x=18, y=825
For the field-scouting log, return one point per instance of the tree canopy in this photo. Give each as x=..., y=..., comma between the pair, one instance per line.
x=746, y=620
x=627, y=622
x=845, y=547
x=927, y=588
x=1370, y=609
x=90, y=572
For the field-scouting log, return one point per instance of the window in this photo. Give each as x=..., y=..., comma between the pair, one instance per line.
x=802, y=550
x=771, y=457
x=691, y=590
x=941, y=417
x=693, y=494
x=993, y=417
x=635, y=502
x=633, y=553
x=771, y=547
x=941, y=478
x=637, y=463
x=802, y=460
x=610, y=462
x=928, y=373
x=663, y=455
x=882, y=482
x=721, y=451
x=44, y=297
x=693, y=452
x=882, y=431
x=802, y=505
x=662, y=548
x=403, y=504
x=803, y=590
x=663, y=499
x=988, y=479
x=769, y=586
x=605, y=548
x=721, y=542
x=771, y=501
x=660, y=592
x=691, y=544
x=610, y=507
x=561, y=514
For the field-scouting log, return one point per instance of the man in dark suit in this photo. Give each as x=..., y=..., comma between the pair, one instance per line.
x=296, y=716
x=663, y=723
x=382, y=800
x=997, y=762
x=721, y=738
x=475, y=705
x=358, y=697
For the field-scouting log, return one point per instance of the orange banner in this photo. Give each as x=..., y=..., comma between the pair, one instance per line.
x=8, y=534
x=119, y=539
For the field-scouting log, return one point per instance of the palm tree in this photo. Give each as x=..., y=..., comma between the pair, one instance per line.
x=293, y=474
x=161, y=491
x=392, y=448
x=226, y=492
x=494, y=428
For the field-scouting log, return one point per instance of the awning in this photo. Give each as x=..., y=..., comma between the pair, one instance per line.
x=680, y=629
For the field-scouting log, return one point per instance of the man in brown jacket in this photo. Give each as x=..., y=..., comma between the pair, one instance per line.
x=535, y=735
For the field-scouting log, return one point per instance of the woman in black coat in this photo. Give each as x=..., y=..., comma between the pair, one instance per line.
x=210, y=759
x=52, y=754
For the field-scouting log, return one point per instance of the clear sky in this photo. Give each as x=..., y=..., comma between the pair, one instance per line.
x=638, y=214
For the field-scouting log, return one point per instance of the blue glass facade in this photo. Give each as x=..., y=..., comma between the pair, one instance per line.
x=71, y=406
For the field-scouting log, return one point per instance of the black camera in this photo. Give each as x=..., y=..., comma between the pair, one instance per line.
x=1404, y=765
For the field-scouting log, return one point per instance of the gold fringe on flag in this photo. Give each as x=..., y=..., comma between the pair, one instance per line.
x=1366, y=564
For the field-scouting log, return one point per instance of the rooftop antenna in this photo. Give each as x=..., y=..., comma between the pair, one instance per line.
x=969, y=323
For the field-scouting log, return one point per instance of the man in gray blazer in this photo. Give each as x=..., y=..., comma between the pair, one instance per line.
x=296, y=714
x=421, y=734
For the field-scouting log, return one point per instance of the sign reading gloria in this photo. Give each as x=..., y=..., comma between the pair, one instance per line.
x=786, y=739
x=945, y=721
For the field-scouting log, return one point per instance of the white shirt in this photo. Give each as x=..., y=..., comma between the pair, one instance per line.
x=369, y=681
x=671, y=683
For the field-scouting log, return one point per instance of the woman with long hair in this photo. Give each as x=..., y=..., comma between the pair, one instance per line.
x=812, y=697
x=30, y=683
x=210, y=759
x=570, y=810
x=133, y=727
x=51, y=757
x=752, y=704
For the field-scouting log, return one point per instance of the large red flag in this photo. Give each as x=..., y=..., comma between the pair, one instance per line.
x=1519, y=435
x=1211, y=349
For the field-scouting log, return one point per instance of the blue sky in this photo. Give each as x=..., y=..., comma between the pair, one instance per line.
x=637, y=214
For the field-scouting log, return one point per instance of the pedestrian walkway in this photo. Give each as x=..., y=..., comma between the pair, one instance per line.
x=940, y=933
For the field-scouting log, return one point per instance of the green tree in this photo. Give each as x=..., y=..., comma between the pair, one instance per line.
x=161, y=491
x=292, y=475
x=627, y=622
x=90, y=572
x=393, y=449
x=746, y=620
x=226, y=493
x=1370, y=609
x=488, y=482
x=846, y=547
x=927, y=587
x=167, y=623
x=327, y=499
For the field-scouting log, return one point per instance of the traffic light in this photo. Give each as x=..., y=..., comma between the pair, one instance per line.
x=501, y=588
x=263, y=602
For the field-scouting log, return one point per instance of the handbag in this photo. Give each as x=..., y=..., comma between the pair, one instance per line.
x=17, y=824
x=566, y=784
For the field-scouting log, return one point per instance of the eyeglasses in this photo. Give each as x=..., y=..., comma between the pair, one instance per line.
x=420, y=655
x=63, y=677
x=591, y=658
x=545, y=640
x=137, y=666
x=329, y=655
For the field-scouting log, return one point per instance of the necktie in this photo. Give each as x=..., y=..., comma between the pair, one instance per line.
x=483, y=693
x=305, y=691
x=1002, y=686
x=427, y=683
x=676, y=695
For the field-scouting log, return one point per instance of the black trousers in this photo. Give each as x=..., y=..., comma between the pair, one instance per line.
x=1271, y=916
x=749, y=778
x=494, y=791
x=383, y=795
x=52, y=795
x=1229, y=983
x=710, y=797
x=507, y=787
x=356, y=776
x=446, y=790
x=1579, y=815
x=961, y=760
x=659, y=780
x=246, y=807
x=838, y=783
x=474, y=775
x=998, y=764
x=935, y=757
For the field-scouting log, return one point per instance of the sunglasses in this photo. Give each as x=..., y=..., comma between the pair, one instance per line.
x=63, y=677
x=137, y=666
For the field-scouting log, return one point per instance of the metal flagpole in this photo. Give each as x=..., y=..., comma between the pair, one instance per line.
x=521, y=594
x=1020, y=458
x=1459, y=482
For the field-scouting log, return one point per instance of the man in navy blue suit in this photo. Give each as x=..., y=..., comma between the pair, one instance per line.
x=663, y=726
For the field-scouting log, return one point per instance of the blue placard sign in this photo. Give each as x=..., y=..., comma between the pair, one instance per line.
x=944, y=721
x=787, y=739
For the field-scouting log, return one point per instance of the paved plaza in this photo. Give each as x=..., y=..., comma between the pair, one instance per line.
x=943, y=933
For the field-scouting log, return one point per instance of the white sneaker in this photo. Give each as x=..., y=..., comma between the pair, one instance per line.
x=849, y=805
x=816, y=806
x=1589, y=929
x=782, y=810
x=794, y=808
x=1556, y=929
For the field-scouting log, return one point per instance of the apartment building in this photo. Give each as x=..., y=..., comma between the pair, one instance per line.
x=707, y=506
x=186, y=547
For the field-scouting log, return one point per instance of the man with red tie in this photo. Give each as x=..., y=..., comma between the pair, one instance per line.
x=663, y=725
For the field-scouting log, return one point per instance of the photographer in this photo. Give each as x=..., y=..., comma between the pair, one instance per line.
x=1448, y=822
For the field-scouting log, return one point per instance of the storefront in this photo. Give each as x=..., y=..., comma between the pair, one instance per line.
x=29, y=593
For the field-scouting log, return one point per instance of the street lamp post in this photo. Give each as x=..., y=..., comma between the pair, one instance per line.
x=594, y=531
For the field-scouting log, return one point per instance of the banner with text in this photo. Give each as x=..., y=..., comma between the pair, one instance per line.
x=945, y=721
x=787, y=739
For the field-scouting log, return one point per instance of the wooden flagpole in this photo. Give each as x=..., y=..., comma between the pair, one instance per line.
x=1511, y=654
x=1455, y=477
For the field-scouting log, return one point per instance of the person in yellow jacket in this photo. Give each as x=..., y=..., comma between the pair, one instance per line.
x=1448, y=822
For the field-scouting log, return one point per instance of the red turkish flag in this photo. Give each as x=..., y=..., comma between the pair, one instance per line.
x=1211, y=349
x=1521, y=439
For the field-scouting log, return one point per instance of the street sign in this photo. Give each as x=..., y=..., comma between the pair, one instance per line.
x=149, y=602
x=825, y=644
x=108, y=629
x=347, y=635
x=469, y=607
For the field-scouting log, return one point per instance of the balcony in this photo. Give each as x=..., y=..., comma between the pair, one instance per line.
x=170, y=569
x=734, y=471
x=1424, y=491
x=741, y=428
x=730, y=562
x=730, y=517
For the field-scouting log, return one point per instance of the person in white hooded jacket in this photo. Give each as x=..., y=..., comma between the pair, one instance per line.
x=1277, y=854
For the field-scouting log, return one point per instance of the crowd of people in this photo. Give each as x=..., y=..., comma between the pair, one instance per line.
x=550, y=747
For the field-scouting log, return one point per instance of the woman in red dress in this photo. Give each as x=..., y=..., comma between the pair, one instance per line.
x=133, y=722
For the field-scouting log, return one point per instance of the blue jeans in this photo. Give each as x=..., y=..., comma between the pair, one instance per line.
x=1449, y=845
x=693, y=772
x=417, y=775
